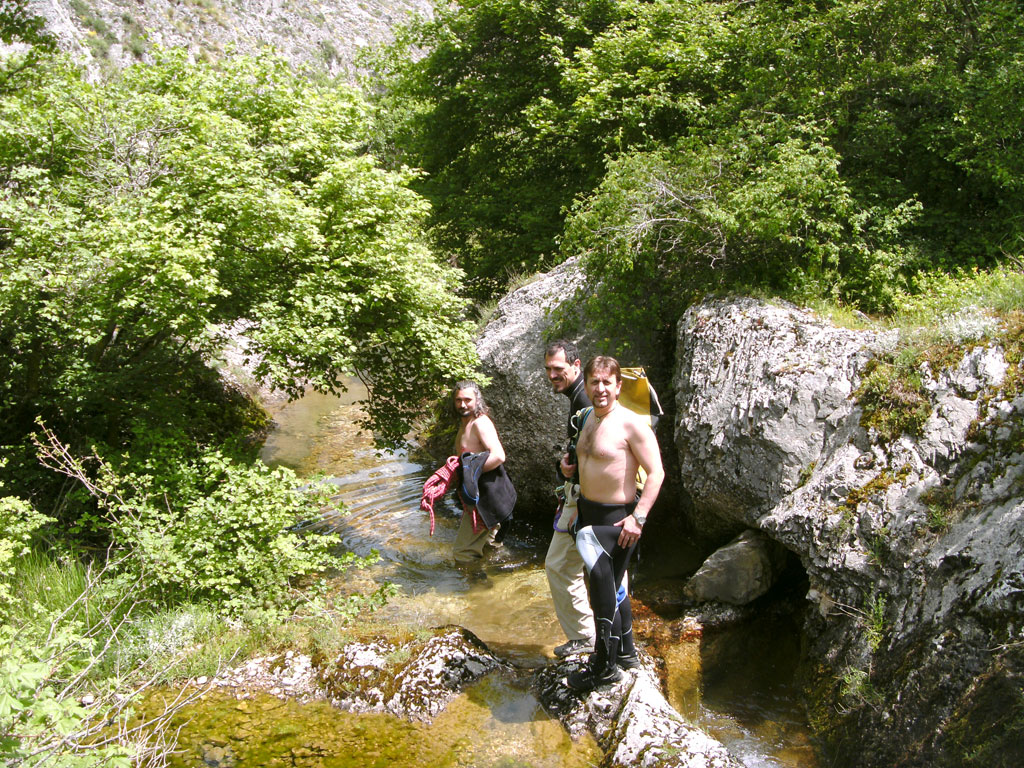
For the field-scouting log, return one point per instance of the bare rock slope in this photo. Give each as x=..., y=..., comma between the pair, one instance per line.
x=327, y=36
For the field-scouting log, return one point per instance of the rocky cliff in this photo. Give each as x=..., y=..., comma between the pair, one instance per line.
x=906, y=511
x=325, y=35
x=913, y=543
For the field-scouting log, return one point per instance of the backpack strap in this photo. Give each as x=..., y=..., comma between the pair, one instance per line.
x=576, y=423
x=578, y=420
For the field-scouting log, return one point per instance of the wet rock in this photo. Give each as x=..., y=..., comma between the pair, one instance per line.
x=218, y=756
x=715, y=615
x=438, y=673
x=415, y=680
x=649, y=732
x=631, y=719
x=662, y=595
x=740, y=572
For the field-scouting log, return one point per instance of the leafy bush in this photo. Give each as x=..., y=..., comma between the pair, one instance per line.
x=210, y=528
x=18, y=521
x=40, y=723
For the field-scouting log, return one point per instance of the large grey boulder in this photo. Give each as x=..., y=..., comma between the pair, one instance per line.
x=913, y=547
x=740, y=572
x=530, y=418
x=761, y=392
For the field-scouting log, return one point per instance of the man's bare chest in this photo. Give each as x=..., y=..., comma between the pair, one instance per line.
x=602, y=443
x=468, y=439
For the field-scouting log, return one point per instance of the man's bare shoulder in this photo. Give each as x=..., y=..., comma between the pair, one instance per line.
x=485, y=428
x=483, y=421
x=635, y=424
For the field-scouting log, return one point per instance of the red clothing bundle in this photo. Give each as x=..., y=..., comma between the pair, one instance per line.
x=437, y=485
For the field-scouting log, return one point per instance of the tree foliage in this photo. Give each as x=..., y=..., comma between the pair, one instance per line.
x=148, y=217
x=815, y=148
x=212, y=529
x=29, y=43
x=464, y=113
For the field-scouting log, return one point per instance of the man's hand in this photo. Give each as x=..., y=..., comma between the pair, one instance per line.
x=568, y=470
x=630, y=533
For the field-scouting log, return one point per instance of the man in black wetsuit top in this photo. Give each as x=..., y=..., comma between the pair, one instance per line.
x=563, y=564
x=613, y=443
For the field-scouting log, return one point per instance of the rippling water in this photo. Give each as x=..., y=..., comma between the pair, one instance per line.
x=737, y=684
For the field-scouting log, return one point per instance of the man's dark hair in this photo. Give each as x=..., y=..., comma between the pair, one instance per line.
x=602, y=363
x=567, y=348
x=481, y=405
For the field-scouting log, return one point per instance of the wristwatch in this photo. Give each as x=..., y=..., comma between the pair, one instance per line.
x=640, y=519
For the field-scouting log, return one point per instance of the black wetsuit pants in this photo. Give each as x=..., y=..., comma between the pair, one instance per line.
x=597, y=540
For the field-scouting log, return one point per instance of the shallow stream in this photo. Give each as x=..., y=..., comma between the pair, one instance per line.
x=737, y=685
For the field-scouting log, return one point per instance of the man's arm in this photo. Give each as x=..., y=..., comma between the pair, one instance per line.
x=644, y=445
x=489, y=437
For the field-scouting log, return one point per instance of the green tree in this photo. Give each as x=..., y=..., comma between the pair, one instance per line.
x=147, y=218
x=859, y=142
x=464, y=113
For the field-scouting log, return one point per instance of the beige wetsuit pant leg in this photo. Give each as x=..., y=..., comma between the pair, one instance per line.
x=564, y=568
x=469, y=546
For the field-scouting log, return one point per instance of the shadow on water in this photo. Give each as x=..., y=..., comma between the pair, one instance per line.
x=737, y=683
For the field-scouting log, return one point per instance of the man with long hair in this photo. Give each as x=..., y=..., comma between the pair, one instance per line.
x=485, y=490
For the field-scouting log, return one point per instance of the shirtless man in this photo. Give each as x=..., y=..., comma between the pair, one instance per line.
x=476, y=434
x=612, y=445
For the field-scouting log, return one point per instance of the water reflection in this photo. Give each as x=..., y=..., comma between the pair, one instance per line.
x=748, y=697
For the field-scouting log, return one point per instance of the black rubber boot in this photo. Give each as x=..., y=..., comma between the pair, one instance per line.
x=601, y=668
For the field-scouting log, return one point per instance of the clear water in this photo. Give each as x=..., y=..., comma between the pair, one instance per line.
x=738, y=685
x=495, y=723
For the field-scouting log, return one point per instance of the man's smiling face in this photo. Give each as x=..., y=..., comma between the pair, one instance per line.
x=561, y=373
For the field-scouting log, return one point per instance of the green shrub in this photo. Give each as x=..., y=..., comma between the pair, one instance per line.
x=892, y=398
x=40, y=722
x=211, y=528
x=18, y=522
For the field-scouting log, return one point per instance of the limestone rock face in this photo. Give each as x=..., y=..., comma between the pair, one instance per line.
x=530, y=418
x=326, y=36
x=761, y=392
x=634, y=723
x=914, y=548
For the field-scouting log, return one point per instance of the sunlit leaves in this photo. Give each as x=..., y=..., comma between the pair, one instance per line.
x=145, y=214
